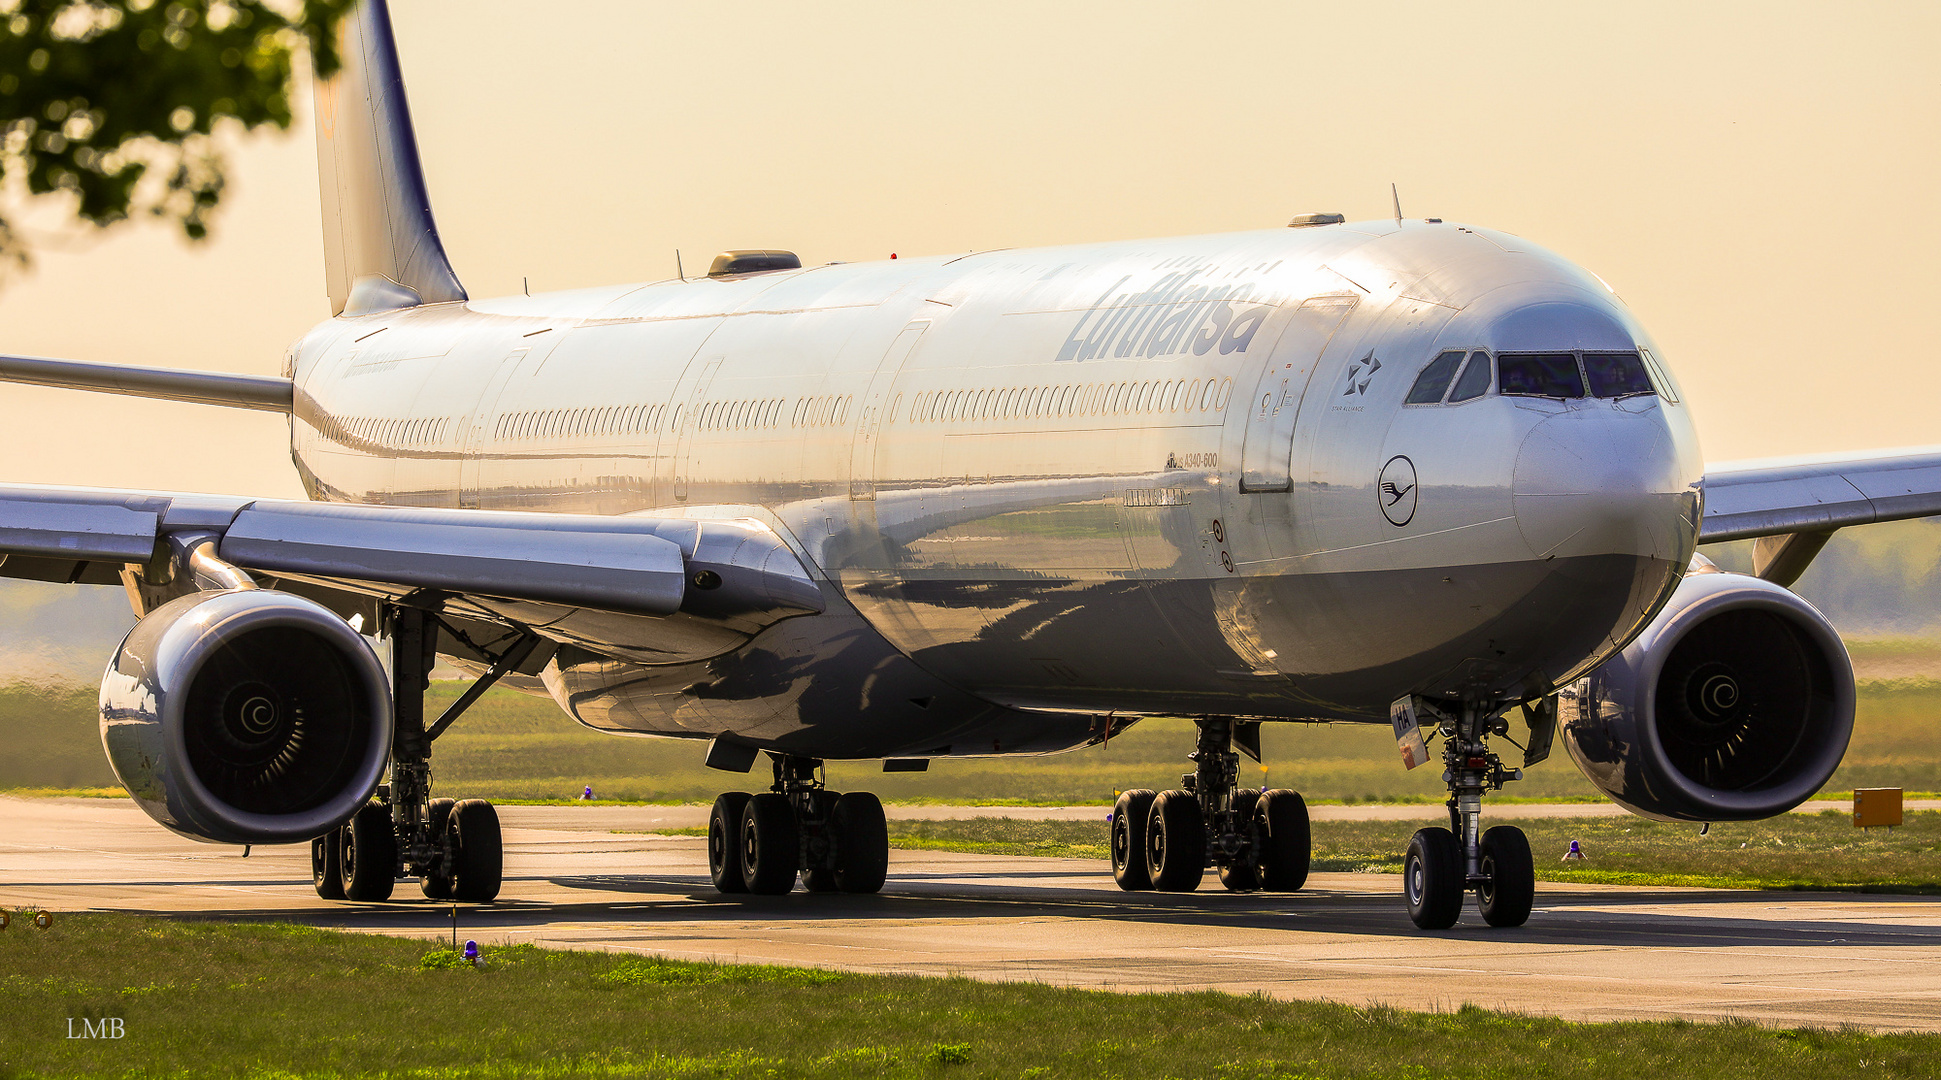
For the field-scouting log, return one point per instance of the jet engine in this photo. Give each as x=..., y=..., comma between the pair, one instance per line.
x=1735, y=704
x=246, y=716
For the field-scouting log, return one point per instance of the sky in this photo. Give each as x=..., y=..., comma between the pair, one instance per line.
x=1756, y=180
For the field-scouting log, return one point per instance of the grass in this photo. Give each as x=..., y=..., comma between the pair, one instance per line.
x=515, y=748
x=1796, y=851
x=277, y=1001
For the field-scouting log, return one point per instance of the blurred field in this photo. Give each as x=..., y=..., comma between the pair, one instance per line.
x=511, y=746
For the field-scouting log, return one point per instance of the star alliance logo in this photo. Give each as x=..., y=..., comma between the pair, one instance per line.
x=1360, y=374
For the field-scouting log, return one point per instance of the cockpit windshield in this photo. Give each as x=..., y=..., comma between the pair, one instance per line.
x=1616, y=375
x=1552, y=375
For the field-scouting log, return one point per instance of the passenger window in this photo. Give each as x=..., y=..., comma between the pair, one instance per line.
x=1551, y=375
x=1475, y=379
x=1616, y=375
x=1434, y=379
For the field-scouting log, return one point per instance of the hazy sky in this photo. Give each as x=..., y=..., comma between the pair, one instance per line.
x=1757, y=180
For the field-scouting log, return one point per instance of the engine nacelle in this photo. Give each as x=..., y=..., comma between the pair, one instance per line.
x=246, y=717
x=1735, y=704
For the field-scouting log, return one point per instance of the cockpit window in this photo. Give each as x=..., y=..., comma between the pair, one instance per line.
x=1616, y=375
x=1434, y=380
x=1475, y=379
x=1552, y=375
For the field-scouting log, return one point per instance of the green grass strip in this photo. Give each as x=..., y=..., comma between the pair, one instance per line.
x=272, y=1001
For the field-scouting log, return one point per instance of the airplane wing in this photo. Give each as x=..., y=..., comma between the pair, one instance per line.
x=1792, y=506
x=666, y=589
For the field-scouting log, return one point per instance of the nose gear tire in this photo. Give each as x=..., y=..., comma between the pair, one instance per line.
x=771, y=847
x=1129, y=817
x=724, y=842
x=1510, y=888
x=1433, y=879
x=1285, y=843
x=1176, y=842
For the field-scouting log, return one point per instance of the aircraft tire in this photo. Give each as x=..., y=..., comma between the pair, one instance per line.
x=1286, y=843
x=368, y=855
x=862, y=843
x=478, y=847
x=1506, y=897
x=1129, y=817
x=724, y=842
x=1433, y=878
x=1176, y=842
x=1244, y=875
x=437, y=885
x=771, y=848
x=326, y=866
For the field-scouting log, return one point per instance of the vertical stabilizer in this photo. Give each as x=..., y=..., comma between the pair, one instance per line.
x=381, y=247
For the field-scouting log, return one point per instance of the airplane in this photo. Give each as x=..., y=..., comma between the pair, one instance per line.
x=1404, y=472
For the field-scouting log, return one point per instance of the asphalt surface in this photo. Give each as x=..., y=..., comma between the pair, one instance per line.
x=1592, y=953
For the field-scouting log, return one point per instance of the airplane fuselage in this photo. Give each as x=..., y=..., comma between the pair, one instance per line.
x=1159, y=477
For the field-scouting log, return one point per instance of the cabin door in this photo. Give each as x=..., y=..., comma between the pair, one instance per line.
x=482, y=436
x=1266, y=457
x=878, y=408
x=687, y=423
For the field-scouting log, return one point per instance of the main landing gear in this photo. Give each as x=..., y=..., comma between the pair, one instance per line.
x=760, y=843
x=1258, y=840
x=1443, y=864
x=453, y=847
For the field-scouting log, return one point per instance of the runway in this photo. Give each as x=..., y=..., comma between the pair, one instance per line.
x=1590, y=953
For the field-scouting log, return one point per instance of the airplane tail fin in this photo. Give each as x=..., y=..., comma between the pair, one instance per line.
x=381, y=247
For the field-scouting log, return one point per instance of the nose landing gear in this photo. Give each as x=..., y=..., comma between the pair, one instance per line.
x=1256, y=840
x=1443, y=864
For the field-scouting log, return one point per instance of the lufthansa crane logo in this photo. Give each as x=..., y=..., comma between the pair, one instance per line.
x=1395, y=490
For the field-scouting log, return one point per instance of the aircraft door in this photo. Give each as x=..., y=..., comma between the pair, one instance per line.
x=1267, y=453
x=477, y=441
x=687, y=424
x=876, y=411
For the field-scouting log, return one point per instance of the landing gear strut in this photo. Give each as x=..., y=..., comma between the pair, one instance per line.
x=1443, y=864
x=1257, y=840
x=455, y=848
x=760, y=843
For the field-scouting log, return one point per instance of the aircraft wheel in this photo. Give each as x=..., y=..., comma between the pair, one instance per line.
x=326, y=863
x=1244, y=875
x=478, y=863
x=771, y=849
x=437, y=885
x=1129, y=817
x=368, y=854
x=724, y=842
x=1433, y=878
x=1176, y=842
x=862, y=843
x=1510, y=887
x=1286, y=845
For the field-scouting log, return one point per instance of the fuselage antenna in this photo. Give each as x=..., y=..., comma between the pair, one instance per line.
x=525, y=283
x=678, y=272
x=1397, y=196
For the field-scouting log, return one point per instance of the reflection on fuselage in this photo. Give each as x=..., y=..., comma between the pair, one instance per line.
x=1159, y=477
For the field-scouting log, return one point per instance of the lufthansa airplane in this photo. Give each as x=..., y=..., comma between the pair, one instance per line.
x=1392, y=472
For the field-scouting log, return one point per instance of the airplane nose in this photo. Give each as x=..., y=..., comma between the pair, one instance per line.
x=1603, y=481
